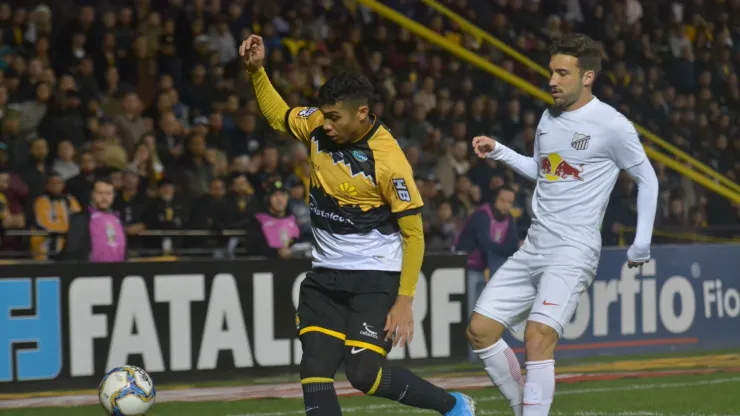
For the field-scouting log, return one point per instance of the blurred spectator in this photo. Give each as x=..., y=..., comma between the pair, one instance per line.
x=169, y=211
x=453, y=165
x=208, y=209
x=131, y=204
x=96, y=233
x=9, y=219
x=197, y=172
x=298, y=207
x=443, y=231
x=36, y=170
x=64, y=163
x=51, y=213
x=239, y=205
x=489, y=237
x=273, y=231
x=80, y=185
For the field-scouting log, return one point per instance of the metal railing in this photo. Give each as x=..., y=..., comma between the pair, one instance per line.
x=221, y=250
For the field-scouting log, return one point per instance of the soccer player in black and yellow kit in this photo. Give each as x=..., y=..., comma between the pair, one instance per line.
x=356, y=302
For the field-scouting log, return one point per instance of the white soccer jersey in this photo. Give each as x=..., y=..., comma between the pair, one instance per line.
x=580, y=154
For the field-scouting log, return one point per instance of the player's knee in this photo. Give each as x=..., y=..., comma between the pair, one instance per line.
x=540, y=340
x=483, y=332
x=363, y=370
x=318, y=360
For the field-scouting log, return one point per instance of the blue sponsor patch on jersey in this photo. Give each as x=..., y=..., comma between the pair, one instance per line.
x=359, y=155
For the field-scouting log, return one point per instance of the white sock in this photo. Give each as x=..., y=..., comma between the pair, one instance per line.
x=539, y=388
x=503, y=368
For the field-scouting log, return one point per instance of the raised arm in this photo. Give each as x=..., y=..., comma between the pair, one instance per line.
x=299, y=121
x=488, y=148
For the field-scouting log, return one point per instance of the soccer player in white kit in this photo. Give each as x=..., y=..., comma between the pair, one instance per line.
x=580, y=147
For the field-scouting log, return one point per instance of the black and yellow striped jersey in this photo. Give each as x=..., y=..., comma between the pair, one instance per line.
x=357, y=193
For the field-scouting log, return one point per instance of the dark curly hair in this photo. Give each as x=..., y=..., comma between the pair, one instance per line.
x=579, y=46
x=349, y=87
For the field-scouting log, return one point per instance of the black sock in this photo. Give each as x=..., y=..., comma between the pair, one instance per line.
x=403, y=386
x=321, y=399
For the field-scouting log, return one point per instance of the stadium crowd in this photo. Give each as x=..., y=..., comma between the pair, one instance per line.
x=153, y=95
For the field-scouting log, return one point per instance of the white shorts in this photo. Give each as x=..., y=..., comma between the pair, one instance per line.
x=533, y=287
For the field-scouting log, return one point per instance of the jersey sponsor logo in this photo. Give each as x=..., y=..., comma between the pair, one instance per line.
x=401, y=189
x=306, y=112
x=553, y=167
x=359, y=156
x=580, y=141
x=315, y=210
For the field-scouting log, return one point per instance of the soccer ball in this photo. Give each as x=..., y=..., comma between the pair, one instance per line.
x=127, y=391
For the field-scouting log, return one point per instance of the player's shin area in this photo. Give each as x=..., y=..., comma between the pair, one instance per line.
x=501, y=364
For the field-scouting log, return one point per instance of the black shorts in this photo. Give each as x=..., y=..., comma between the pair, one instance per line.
x=351, y=305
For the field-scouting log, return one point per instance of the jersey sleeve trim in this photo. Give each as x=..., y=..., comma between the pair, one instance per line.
x=287, y=124
x=406, y=213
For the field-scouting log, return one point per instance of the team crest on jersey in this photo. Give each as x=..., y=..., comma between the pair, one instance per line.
x=553, y=167
x=306, y=112
x=580, y=141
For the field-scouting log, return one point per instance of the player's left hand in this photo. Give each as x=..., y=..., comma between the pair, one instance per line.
x=399, y=325
x=637, y=255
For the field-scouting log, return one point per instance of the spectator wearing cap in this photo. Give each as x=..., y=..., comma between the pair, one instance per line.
x=200, y=126
x=51, y=212
x=273, y=230
x=96, y=234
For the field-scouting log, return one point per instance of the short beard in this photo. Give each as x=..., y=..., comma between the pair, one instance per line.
x=556, y=110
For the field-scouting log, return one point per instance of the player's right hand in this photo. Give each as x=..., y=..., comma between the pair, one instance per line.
x=252, y=50
x=482, y=145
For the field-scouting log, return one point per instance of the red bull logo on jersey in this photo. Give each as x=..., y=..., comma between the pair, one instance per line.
x=553, y=167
